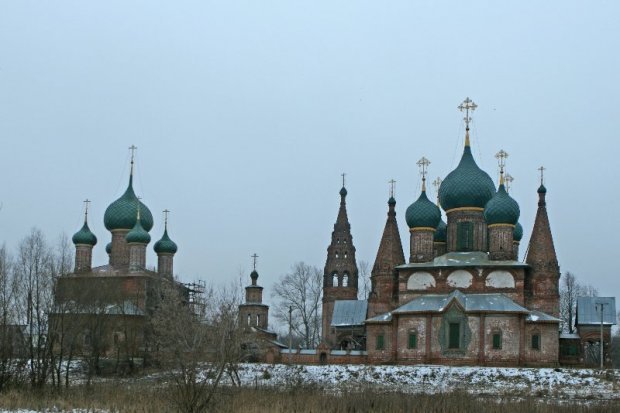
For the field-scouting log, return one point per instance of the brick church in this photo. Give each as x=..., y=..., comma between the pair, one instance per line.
x=462, y=296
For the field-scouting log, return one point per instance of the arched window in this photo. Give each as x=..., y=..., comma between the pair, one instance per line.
x=335, y=280
x=346, y=254
x=344, y=241
x=258, y=320
x=337, y=240
x=249, y=319
x=337, y=254
x=345, y=280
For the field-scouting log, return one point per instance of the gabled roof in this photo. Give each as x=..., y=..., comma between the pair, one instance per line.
x=349, y=313
x=588, y=311
x=468, y=302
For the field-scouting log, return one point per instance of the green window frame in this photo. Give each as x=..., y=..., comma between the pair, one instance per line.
x=454, y=335
x=380, y=342
x=413, y=340
x=464, y=236
x=497, y=340
x=536, y=341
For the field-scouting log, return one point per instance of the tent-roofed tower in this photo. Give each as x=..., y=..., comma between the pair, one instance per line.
x=542, y=283
x=341, y=273
x=390, y=255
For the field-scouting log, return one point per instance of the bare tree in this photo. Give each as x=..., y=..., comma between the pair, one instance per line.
x=570, y=290
x=34, y=273
x=301, y=290
x=364, y=287
x=198, y=349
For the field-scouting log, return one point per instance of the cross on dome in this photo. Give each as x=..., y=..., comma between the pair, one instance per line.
x=466, y=106
x=423, y=163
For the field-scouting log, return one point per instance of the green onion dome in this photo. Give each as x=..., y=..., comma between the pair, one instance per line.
x=343, y=192
x=121, y=214
x=517, y=233
x=108, y=248
x=423, y=213
x=391, y=201
x=502, y=208
x=165, y=245
x=467, y=185
x=138, y=234
x=542, y=189
x=441, y=233
x=84, y=236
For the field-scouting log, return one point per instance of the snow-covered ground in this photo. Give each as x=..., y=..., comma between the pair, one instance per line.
x=547, y=383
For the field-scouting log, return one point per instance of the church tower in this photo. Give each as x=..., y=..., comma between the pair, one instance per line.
x=389, y=256
x=84, y=241
x=340, y=275
x=542, y=281
x=253, y=313
x=165, y=249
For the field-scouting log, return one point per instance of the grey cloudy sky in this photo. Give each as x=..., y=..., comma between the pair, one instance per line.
x=245, y=114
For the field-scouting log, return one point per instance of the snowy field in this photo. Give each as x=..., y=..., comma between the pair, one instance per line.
x=547, y=383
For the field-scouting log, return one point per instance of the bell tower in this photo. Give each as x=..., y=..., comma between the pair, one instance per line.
x=340, y=274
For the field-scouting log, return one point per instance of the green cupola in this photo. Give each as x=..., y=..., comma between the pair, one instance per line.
x=165, y=245
x=84, y=236
x=441, y=233
x=502, y=208
x=423, y=213
x=138, y=235
x=121, y=214
x=108, y=248
x=517, y=233
x=467, y=186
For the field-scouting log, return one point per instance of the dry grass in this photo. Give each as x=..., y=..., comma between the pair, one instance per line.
x=139, y=397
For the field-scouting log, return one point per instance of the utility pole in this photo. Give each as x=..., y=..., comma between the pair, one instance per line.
x=602, y=307
x=290, y=333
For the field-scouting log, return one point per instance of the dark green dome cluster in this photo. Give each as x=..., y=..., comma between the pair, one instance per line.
x=466, y=186
x=138, y=234
x=517, y=233
x=423, y=213
x=121, y=214
x=165, y=245
x=84, y=236
x=502, y=208
x=441, y=233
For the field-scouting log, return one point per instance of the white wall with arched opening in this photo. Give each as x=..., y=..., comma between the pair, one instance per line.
x=460, y=279
x=421, y=280
x=500, y=279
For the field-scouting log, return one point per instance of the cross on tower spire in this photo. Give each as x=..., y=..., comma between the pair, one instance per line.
x=508, y=178
x=423, y=163
x=254, y=258
x=166, y=212
x=132, y=148
x=542, y=174
x=501, y=160
x=86, y=203
x=466, y=106
x=391, y=182
x=343, y=176
x=437, y=183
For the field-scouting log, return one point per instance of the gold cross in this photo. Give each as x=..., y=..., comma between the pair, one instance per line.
x=132, y=148
x=254, y=257
x=466, y=106
x=423, y=163
x=437, y=183
x=508, y=178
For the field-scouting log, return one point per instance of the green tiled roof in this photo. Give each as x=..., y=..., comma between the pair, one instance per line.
x=84, y=236
x=423, y=213
x=121, y=214
x=466, y=186
x=502, y=208
x=138, y=234
x=165, y=245
x=441, y=234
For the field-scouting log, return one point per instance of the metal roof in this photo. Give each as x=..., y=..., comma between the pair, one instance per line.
x=349, y=313
x=469, y=302
x=464, y=259
x=540, y=317
x=381, y=318
x=588, y=313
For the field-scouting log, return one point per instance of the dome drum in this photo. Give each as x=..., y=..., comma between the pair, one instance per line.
x=467, y=231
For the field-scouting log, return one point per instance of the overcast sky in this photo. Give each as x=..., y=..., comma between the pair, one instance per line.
x=246, y=113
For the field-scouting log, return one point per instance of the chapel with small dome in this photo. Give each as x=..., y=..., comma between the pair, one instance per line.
x=462, y=296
